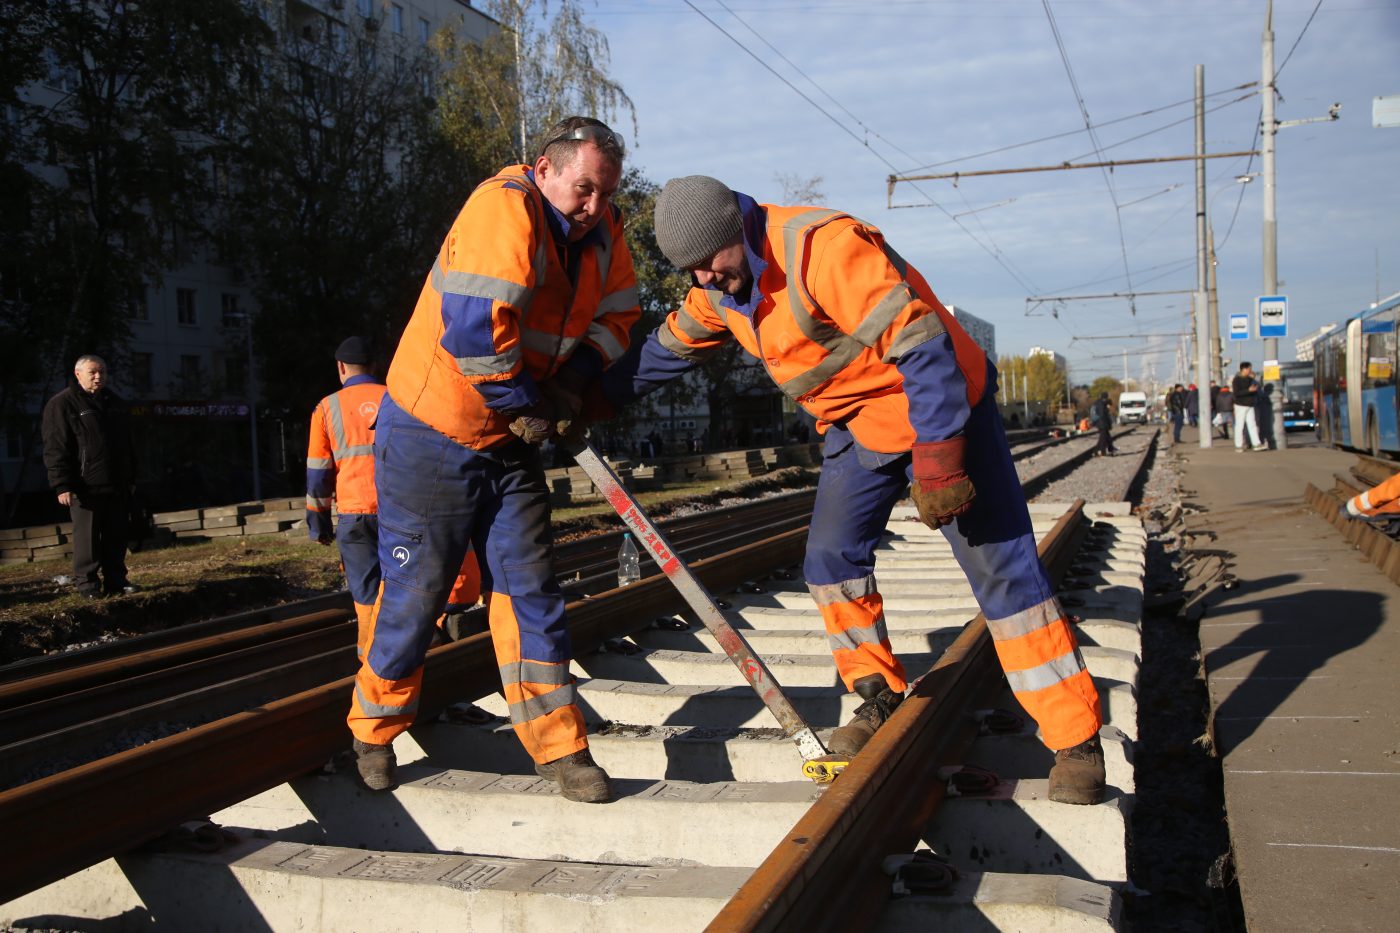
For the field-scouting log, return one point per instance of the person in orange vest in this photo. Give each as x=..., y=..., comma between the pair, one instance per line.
x=530, y=297
x=1380, y=503
x=340, y=470
x=855, y=336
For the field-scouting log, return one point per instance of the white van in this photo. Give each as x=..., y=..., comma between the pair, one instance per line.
x=1132, y=408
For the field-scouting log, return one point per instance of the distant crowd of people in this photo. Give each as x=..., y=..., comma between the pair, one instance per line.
x=1242, y=410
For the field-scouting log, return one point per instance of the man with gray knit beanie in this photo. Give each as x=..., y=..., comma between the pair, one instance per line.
x=906, y=401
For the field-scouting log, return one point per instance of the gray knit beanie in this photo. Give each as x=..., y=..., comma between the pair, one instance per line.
x=695, y=216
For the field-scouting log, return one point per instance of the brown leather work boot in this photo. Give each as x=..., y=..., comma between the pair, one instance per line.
x=880, y=703
x=579, y=777
x=1078, y=776
x=376, y=764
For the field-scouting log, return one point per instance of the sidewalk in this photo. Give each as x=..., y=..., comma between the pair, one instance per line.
x=1302, y=659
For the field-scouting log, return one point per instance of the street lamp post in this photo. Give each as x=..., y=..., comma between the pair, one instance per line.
x=1217, y=350
x=252, y=388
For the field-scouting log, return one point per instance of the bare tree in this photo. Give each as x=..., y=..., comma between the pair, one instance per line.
x=798, y=190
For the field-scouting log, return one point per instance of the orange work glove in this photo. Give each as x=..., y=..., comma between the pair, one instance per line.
x=941, y=489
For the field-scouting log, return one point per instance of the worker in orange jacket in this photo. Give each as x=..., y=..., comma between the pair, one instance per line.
x=853, y=334
x=1380, y=503
x=531, y=295
x=340, y=470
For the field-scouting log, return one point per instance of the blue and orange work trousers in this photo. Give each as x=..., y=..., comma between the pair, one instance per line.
x=357, y=539
x=993, y=543
x=436, y=499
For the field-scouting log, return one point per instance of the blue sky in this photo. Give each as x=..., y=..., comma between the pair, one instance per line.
x=912, y=83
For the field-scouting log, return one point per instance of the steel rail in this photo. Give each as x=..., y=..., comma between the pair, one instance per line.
x=827, y=869
x=1140, y=467
x=78, y=817
x=140, y=793
x=583, y=565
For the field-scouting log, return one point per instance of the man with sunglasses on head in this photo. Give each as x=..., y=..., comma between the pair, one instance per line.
x=906, y=401
x=531, y=296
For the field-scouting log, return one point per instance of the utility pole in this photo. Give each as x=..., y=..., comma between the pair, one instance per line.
x=1202, y=312
x=1267, y=133
x=1217, y=369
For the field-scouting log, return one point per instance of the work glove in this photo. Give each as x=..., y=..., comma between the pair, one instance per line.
x=564, y=390
x=556, y=414
x=941, y=489
x=534, y=425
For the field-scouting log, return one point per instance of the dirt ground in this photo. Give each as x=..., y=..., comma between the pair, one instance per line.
x=40, y=612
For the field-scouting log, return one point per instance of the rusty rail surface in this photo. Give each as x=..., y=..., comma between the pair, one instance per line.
x=76, y=818
x=827, y=869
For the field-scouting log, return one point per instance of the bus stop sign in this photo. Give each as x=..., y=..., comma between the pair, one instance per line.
x=1239, y=327
x=1273, y=315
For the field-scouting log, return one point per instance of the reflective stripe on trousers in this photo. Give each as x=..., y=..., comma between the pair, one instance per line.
x=994, y=545
x=437, y=497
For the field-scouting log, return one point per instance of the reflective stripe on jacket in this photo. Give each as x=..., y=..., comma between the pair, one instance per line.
x=499, y=303
x=340, y=453
x=837, y=309
x=1383, y=499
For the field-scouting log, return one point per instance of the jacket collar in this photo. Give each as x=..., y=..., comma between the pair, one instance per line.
x=360, y=379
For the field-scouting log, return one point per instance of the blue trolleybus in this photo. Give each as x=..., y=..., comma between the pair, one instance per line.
x=1355, y=379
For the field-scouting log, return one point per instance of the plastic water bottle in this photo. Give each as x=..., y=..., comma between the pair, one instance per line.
x=629, y=561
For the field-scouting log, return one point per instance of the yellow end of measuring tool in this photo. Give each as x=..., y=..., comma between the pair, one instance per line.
x=825, y=769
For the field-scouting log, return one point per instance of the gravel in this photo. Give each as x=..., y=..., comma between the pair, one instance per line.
x=1100, y=479
x=1181, y=868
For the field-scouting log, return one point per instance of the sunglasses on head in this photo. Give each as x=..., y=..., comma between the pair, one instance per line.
x=589, y=132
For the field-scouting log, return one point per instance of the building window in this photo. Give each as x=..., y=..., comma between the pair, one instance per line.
x=190, y=374
x=366, y=8
x=184, y=307
x=424, y=28
x=231, y=316
x=236, y=375
x=138, y=307
x=396, y=19
x=141, y=366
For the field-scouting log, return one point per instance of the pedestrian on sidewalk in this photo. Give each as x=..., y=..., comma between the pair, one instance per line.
x=1176, y=408
x=855, y=336
x=1193, y=404
x=1224, y=412
x=91, y=462
x=1245, y=389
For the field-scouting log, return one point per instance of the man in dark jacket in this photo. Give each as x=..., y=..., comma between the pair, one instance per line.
x=1176, y=408
x=92, y=468
x=1245, y=389
x=1101, y=417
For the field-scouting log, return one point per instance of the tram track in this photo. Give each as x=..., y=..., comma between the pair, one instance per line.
x=209, y=766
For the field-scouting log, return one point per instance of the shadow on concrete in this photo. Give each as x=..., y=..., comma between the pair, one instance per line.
x=1297, y=634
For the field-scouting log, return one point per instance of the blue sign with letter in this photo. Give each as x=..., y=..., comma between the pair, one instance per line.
x=1239, y=327
x=1273, y=315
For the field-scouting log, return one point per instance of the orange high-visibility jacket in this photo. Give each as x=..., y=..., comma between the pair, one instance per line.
x=834, y=317
x=499, y=303
x=1380, y=501
x=340, y=454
